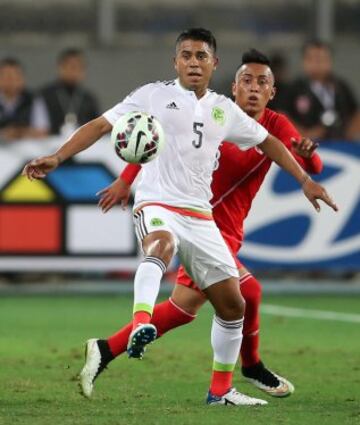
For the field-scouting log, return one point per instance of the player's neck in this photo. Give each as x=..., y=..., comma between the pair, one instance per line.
x=256, y=115
x=200, y=92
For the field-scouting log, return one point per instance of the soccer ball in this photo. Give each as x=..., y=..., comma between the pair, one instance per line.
x=138, y=137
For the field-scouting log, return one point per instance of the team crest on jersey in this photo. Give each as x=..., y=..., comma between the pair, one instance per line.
x=156, y=222
x=218, y=115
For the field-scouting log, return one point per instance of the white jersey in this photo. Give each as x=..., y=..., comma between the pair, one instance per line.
x=194, y=128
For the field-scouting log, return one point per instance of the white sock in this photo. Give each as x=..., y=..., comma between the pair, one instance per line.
x=226, y=338
x=147, y=283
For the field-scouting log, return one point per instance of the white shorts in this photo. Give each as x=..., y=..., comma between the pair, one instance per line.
x=201, y=248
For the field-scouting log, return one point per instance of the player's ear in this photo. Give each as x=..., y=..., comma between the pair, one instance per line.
x=233, y=88
x=216, y=62
x=273, y=93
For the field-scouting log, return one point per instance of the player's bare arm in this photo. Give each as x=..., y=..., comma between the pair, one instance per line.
x=276, y=151
x=82, y=139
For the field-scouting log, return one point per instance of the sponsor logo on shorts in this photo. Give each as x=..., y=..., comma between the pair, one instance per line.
x=156, y=222
x=218, y=115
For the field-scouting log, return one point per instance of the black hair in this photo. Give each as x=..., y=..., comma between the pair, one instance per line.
x=317, y=44
x=198, y=34
x=254, y=56
x=70, y=52
x=10, y=61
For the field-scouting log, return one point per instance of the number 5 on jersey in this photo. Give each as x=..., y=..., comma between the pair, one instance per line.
x=197, y=130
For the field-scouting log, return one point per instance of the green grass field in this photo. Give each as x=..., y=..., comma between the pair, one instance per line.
x=41, y=353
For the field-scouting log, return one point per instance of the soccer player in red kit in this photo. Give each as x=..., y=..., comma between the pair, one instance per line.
x=236, y=180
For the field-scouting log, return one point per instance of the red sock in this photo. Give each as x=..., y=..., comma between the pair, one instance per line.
x=141, y=317
x=221, y=382
x=251, y=291
x=250, y=350
x=166, y=316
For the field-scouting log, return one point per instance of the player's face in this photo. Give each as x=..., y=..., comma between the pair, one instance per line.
x=253, y=88
x=194, y=63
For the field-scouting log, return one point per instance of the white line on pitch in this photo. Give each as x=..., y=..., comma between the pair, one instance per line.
x=279, y=310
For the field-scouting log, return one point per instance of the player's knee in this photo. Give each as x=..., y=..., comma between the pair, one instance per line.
x=233, y=310
x=161, y=245
x=167, y=247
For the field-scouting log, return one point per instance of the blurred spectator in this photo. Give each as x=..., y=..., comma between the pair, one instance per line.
x=18, y=116
x=69, y=105
x=321, y=104
x=279, y=67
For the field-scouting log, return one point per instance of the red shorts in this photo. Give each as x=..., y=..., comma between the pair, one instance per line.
x=182, y=278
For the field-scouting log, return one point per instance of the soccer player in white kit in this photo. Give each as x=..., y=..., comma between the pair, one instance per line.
x=172, y=212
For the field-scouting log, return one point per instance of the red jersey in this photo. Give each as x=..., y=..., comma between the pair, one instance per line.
x=240, y=174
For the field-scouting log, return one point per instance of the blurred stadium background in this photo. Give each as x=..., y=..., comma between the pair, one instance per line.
x=52, y=230
x=129, y=42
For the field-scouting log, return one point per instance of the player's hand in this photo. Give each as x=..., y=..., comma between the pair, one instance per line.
x=118, y=192
x=39, y=168
x=304, y=147
x=314, y=191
